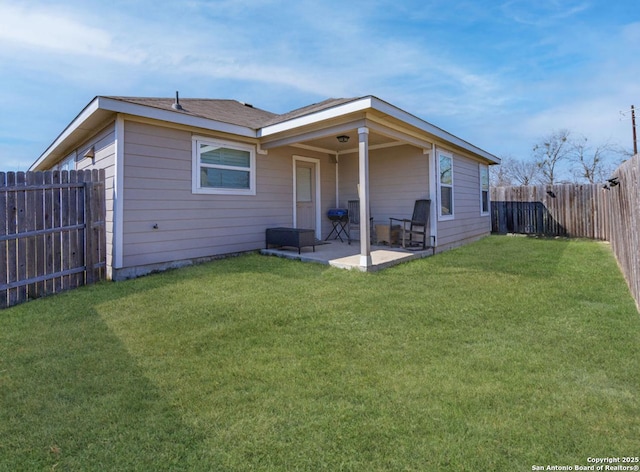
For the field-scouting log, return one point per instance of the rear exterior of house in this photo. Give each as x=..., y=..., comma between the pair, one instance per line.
x=184, y=186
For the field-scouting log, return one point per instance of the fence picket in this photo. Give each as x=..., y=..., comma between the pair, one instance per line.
x=4, y=302
x=47, y=221
x=21, y=259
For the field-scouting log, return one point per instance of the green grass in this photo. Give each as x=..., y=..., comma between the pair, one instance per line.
x=500, y=355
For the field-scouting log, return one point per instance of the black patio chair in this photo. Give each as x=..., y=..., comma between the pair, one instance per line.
x=415, y=231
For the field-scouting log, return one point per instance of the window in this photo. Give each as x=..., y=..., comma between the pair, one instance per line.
x=68, y=163
x=484, y=190
x=445, y=185
x=222, y=167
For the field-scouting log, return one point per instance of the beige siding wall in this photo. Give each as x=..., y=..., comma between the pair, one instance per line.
x=158, y=191
x=105, y=151
x=467, y=224
x=398, y=177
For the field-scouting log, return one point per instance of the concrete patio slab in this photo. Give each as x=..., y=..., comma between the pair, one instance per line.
x=345, y=256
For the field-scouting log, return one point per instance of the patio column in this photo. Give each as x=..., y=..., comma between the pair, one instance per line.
x=433, y=194
x=365, y=229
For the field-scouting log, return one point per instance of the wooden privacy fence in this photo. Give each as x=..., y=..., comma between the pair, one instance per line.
x=52, y=232
x=624, y=234
x=581, y=211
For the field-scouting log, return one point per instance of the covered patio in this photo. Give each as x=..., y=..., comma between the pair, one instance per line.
x=344, y=256
x=380, y=155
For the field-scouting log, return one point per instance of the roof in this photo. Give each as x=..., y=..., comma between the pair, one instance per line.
x=227, y=111
x=309, y=109
x=234, y=117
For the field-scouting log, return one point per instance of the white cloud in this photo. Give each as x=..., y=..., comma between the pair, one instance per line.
x=542, y=13
x=340, y=57
x=501, y=92
x=48, y=31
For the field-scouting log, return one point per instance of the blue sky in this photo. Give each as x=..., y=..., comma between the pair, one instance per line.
x=498, y=73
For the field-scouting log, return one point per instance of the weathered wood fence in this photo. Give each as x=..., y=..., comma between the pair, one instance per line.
x=579, y=211
x=582, y=211
x=624, y=234
x=52, y=232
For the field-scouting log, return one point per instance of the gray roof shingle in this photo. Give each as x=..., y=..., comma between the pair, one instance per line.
x=227, y=111
x=308, y=110
x=232, y=111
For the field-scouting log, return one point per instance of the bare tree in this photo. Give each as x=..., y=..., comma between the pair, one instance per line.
x=554, y=149
x=513, y=171
x=525, y=172
x=499, y=176
x=592, y=163
x=622, y=153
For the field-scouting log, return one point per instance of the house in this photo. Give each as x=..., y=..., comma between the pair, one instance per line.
x=194, y=179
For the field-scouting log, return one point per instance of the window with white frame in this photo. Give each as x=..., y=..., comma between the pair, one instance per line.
x=68, y=163
x=484, y=190
x=445, y=185
x=223, y=167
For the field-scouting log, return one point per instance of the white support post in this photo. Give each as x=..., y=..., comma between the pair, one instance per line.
x=433, y=195
x=118, y=192
x=337, y=180
x=365, y=230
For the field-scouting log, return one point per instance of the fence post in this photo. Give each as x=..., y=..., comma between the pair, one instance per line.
x=4, y=217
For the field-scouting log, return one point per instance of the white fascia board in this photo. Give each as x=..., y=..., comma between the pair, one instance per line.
x=127, y=108
x=334, y=112
x=419, y=123
x=374, y=103
x=77, y=122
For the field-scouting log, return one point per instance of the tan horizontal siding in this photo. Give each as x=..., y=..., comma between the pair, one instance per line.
x=144, y=226
x=157, y=174
x=158, y=191
x=105, y=149
x=165, y=219
x=156, y=136
x=467, y=224
x=198, y=238
x=398, y=177
x=145, y=161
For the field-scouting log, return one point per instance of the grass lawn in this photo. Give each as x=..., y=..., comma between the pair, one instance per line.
x=502, y=355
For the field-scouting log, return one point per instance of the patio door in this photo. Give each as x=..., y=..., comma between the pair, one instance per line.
x=306, y=194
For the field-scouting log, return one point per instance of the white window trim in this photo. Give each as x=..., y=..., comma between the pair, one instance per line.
x=195, y=167
x=442, y=217
x=486, y=168
x=70, y=160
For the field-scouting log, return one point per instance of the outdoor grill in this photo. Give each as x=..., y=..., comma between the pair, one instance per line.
x=339, y=219
x=337, y=214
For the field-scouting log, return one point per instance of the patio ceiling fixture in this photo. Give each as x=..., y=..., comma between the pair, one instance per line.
x=343, y=138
